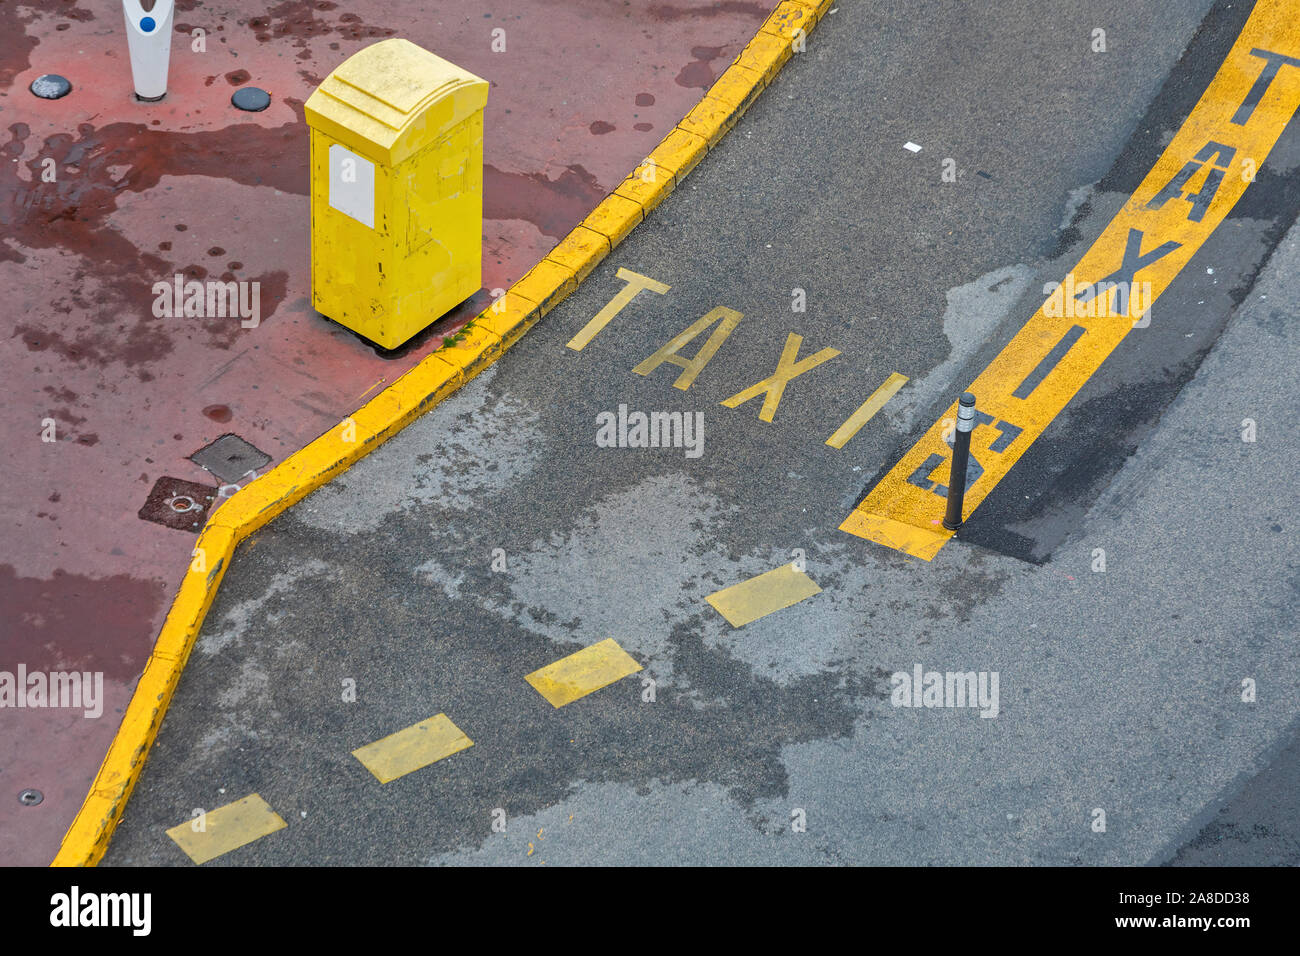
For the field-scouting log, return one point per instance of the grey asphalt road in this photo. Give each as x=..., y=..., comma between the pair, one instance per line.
x=495, y=535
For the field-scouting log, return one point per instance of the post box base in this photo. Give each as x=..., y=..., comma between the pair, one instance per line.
x=381, y=338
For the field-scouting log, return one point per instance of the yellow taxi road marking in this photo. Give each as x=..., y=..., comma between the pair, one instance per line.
x=727, y=320
x=583, y=672
x=773, y=387
x=412, y=749
x=227, y=828
x=864, y=414
x=1216, y=153
x=636, y=284
x=770, y=591
x=789, y=366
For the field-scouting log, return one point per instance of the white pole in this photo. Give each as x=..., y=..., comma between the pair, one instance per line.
x=149, y=38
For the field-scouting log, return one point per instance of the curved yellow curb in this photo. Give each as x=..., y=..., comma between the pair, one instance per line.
x=462, y=357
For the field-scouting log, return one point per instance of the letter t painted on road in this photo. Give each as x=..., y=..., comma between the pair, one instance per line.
x=636, y=283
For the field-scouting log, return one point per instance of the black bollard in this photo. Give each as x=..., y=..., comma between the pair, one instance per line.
x=960, y=458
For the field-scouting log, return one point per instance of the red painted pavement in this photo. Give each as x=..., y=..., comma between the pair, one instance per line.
x=583, y=91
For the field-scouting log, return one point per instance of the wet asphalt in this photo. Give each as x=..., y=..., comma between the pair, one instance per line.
x=495, y=535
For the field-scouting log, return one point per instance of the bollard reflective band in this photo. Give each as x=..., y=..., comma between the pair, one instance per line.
x=966, y=413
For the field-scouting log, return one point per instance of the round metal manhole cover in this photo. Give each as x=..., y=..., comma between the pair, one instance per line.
x=251, y=99
x=30, y=798
x=51, y=86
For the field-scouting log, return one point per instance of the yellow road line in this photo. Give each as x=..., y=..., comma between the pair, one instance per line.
x=226, y=828
x=1190, y=190
x=867, y=410
x=412, y=749
x=419, y=390
x=774, y=590
x=583, y=672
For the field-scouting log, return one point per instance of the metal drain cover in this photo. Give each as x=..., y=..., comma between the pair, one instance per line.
x=251, y=98
x=51, y=86
x=230, y=458
x=176, y=503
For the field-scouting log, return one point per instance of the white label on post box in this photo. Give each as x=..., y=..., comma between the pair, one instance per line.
x=352, y=184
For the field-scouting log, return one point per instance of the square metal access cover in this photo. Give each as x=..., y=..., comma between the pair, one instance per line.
x=230, y=458
x=176, y=503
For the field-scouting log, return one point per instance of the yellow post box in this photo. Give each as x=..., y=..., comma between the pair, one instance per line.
x=396, y=190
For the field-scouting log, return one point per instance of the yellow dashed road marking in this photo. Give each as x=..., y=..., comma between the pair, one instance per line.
x=579, y=674
x=413, y=748
x=1190, y=190
x=759, y=596
x=227, y=828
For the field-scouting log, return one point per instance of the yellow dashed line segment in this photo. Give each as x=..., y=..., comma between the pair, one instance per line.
x=227, y=828
x=758, y=597
x=581, y=673
x=412, y=749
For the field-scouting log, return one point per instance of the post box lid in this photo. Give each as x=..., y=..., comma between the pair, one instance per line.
x=392, y=98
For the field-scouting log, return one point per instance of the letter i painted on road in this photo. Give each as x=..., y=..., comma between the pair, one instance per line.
x=1190, y=190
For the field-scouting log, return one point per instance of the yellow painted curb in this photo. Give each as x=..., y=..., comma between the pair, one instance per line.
x=463, y=355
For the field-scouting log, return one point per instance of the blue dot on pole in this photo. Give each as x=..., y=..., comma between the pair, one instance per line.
x=147, y=24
